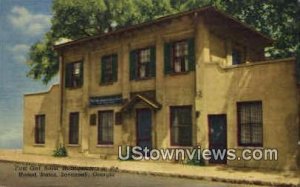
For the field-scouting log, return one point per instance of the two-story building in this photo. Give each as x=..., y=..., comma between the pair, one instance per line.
x=197, y=78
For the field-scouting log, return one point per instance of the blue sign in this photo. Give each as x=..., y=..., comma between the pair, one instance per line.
x=106, y=100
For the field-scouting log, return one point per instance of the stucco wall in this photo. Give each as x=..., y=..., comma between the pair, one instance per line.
x=41, y=103
x=274, y=84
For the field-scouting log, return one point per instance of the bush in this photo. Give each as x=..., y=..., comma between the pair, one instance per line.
x=61, y=151
x=195, y=161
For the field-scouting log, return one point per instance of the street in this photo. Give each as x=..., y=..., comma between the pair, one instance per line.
x=22, y=175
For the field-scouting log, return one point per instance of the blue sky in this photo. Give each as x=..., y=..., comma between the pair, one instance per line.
x=23, y=22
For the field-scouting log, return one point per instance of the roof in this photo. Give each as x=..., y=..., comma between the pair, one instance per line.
x=206, y=11
x=139, y=98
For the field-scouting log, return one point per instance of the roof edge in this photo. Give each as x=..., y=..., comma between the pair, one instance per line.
x=42, y=93
x=160, y=20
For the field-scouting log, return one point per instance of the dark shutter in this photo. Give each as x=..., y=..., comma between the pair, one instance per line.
x=115, y=67
x=133, y=64
x=102, y=69
x=191, y=53
x=152, y=62
x=81, y=74
x=68, y=75
x=167, y=58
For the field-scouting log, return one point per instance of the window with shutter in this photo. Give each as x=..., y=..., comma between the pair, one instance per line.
x=74, y=75
x=142, y=63
x=180, y=56
x=109, y=69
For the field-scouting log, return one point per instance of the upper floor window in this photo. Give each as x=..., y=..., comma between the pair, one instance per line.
x=74, y=75
x=142, y=63
x=250, y=123
x=236, y=57
x=238, y=54
x=39, y=134
x=179, y=56
x=109, y=69
x=181, y=125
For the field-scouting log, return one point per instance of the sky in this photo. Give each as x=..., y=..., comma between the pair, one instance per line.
x=22, y=23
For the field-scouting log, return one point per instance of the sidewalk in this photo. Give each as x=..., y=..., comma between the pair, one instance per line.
x=210, y=173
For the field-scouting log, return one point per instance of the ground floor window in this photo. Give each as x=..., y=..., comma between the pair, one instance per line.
x=105, y=127
x=74, y=128
x=250, y=123
x=39, y=135
x=181, y=125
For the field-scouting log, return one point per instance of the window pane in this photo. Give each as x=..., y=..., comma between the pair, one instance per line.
x=143, y=67
x=107, y=69
x=250, y=123
x=74, y=128
x=181, y=124
x=180, y=56
x=245, y=133
x=145, y=56
x=256, y=133
x=40, y=129
x=105, y=128
x=76, y=69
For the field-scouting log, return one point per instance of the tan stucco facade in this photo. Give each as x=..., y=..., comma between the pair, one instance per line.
x=213, y=88
x=46, y=103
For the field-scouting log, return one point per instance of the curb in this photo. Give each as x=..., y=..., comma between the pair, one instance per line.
x=161, y=174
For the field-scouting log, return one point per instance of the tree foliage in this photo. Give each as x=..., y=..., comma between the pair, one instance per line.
x=74, y=19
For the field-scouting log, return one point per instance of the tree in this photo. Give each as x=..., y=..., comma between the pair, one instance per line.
x=74, y=19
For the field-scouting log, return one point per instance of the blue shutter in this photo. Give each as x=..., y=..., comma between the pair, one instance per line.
x=191, y=53
x=167, y=58
x=81, y=74
x=152, y=62
x=133, y=64
x=115, y=67
x=68, y=74
x=102, y=76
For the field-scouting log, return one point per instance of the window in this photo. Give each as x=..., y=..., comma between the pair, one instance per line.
x=74, y=128
x=109, y=69
x=142, y=63
x=181, y=125
x=236, y=57
x=179, y=56
x=74, y=75
x=105, y=127
x=39, y=135
x=250, y=126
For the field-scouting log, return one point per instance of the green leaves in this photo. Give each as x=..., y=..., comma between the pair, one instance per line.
x=74, y=19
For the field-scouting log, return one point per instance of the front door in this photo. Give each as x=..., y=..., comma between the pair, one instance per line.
x=218, y=137
x=144, y=123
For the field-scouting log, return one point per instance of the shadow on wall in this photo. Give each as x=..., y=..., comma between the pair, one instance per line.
x=275, y=85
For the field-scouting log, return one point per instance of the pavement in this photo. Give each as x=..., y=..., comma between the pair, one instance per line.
x=208, y=173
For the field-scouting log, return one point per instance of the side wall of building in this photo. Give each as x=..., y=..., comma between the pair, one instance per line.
x=272, y=83
x=41, y=104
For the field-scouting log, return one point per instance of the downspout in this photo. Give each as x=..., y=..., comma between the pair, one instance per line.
x=60, y=130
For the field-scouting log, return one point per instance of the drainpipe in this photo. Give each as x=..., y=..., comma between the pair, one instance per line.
x=60, y=140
